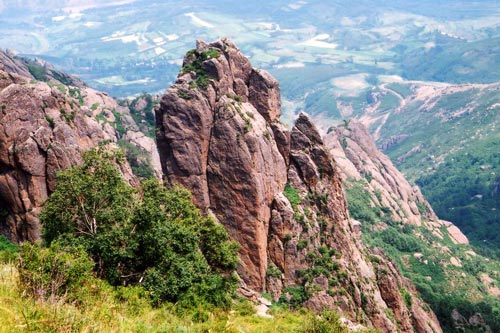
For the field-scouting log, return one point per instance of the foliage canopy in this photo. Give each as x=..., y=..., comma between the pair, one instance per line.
x=152, y=236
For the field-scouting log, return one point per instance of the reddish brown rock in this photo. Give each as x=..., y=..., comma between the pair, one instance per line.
x=278, y=192
x=42, y=130
x=221, y=147
x=359, y=159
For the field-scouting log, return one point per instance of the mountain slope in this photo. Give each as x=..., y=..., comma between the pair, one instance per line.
x=443, y=137
x=433, y=253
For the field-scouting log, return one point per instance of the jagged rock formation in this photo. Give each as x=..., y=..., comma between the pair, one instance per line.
x=359, y=158
x=44, y=127
x=364, y=167
x=13, y=65
x=278, y=192
x=37, y=69
x=216, y=143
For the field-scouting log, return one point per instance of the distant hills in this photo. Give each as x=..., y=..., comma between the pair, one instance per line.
x=125, y=47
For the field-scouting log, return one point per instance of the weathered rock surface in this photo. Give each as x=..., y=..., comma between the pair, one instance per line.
x=218, y=144
x=394, y=289
x=456, y=235
x=43, y=129
x=476, y=321
x=278, y=192
x=359, y=158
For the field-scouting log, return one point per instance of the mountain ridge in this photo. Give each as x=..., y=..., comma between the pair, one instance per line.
x=221, y=121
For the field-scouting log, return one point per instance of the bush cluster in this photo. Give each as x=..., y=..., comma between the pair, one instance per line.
x=153, y=236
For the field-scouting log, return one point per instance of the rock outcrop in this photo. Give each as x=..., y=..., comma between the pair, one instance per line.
x=278, y=192
x=44, y=128
x=359, y=159
x=215, y=141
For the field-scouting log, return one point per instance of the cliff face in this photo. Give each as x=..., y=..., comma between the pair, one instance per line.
x=406, y=214
x=278, y=192
x=44, y=127
x=214, y=140
x=358, y=158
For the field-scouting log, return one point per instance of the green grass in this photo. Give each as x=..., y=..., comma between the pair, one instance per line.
x=292, y=194
x=102, y=308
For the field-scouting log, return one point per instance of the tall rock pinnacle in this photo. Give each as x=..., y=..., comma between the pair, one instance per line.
x=277, y=192
x=216, y=138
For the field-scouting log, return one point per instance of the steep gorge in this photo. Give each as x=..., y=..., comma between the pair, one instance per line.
x=434, y=253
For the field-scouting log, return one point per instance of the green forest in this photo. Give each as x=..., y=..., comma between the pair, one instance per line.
x=465, y=189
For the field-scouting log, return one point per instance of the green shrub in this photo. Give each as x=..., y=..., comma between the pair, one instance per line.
x=77, y=94
x=48, y=274
x=292, y=194
x=154, y=237
x=327, y=322
x=400, y=240
x=182, y=253
x=273, y=271
x=139, y=160
x=50, y=120
x=119, y=125
x=144, y=116
x=302, y=244
x=184, y=94
x=92, y=206
x=406, y=297
x=202, y=78
x=8, y=250
x=294, y=296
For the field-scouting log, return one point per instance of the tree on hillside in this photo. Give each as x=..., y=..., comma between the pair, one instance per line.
x=153, y=236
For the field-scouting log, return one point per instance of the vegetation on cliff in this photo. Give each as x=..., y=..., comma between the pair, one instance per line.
x=448, y=276
x=84, y=303
x=153, y=236
x=465, y=189
x=119, y=259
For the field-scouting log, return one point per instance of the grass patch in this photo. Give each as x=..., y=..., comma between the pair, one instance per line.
x=292, y=194
x=102, y=308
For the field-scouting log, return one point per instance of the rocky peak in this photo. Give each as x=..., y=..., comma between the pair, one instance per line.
x=214, y=139
x=277, y=192
x=46, y=127
x=11, y=65
x=359, y=159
